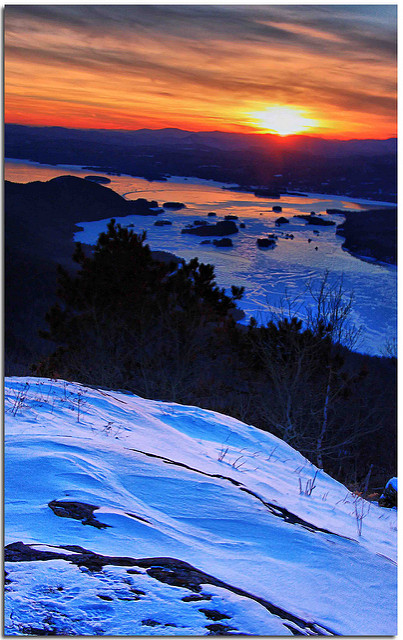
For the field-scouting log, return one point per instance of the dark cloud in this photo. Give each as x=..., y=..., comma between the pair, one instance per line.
x=369, y=27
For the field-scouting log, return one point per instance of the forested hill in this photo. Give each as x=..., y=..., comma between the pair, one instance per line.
x=40, y=221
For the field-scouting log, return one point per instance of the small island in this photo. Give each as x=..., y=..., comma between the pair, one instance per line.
x=222, y=228
x=175, y=206
x=314, y=219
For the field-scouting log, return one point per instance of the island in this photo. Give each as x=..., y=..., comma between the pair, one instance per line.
x=314, y=219
x=221, y=228
x=175, y=206
x=371, y=234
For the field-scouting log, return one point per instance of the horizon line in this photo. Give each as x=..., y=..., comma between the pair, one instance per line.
x=237, y=133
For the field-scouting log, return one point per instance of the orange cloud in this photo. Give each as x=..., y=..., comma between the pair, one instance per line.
x=201, y=67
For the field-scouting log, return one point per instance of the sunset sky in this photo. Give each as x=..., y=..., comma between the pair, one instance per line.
x=327, y=70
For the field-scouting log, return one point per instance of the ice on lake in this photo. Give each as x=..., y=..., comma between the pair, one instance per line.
x=267, y=275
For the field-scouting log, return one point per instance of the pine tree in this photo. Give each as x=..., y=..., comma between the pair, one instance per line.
x=126, y=319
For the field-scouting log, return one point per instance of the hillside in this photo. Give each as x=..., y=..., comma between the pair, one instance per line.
x=40, y=222
x=126, y=516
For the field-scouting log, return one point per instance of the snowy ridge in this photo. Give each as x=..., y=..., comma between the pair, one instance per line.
x=126, y=516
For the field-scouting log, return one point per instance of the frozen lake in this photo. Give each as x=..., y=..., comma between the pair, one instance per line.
x=267, y=275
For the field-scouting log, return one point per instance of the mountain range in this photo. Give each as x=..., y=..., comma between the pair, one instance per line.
x=360, y=168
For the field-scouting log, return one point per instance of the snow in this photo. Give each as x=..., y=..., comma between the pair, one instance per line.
x=172, y=481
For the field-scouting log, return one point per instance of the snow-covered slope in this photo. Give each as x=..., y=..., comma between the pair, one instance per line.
x=126, y=516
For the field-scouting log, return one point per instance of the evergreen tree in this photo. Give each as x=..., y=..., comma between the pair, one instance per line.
x=126, y=319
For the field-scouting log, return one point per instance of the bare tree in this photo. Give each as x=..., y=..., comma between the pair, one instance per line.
x=306, y=382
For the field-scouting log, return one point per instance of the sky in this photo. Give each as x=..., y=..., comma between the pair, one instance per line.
x=324, y=70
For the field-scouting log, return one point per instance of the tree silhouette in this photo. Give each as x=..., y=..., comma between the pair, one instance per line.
x=127, y=319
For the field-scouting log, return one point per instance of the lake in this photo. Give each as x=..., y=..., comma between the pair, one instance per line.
x=267, y=275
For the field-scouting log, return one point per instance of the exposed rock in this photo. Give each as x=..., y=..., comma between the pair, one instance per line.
x=219, y=629
x=162, y=223
x=221, y=228
x=282, y=220
x=231, y=217
x=194, y=597
x=200, y=223
x=214, y=615
x=211, y=214
x=150, y=623
x=242, y=225
x=277, y=209
x=178, y=576
x=77, y=511
x=205, y=242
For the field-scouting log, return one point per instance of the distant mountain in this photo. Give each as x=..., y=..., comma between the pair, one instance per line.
x=359, y=168
x=16, y=134
x=127, y=517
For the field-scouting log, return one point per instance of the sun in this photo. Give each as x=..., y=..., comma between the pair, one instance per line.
x=282, y=120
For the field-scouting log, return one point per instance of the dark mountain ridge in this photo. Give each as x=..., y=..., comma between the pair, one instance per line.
x=356, y=168
x=218, y=139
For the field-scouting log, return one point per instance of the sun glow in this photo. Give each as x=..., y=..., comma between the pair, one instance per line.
x=282, y=120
